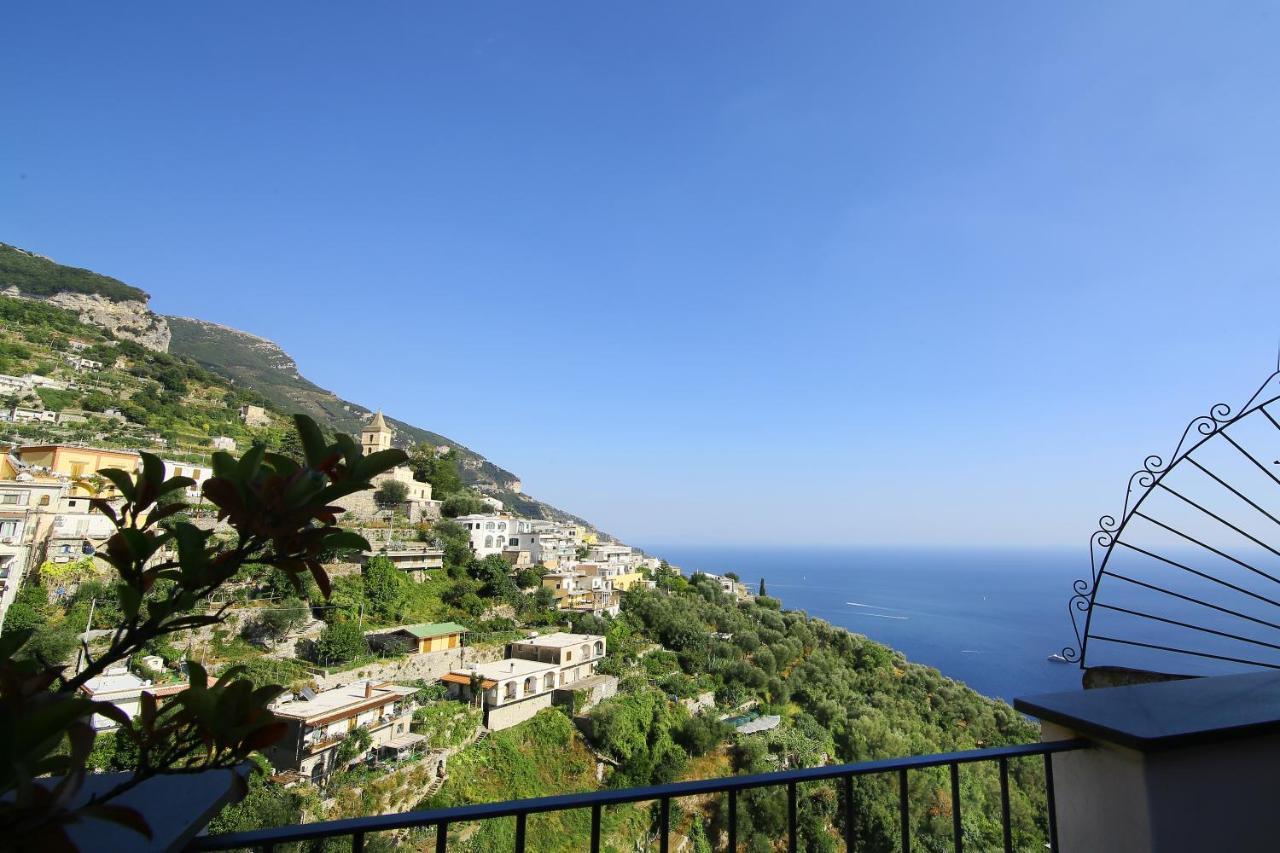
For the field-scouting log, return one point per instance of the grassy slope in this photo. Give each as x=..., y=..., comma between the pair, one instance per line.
x=542, y=757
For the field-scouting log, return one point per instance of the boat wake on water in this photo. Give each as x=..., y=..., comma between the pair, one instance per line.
x=875, y=607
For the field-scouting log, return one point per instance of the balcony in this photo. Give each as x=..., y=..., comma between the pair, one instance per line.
x=1174, y=766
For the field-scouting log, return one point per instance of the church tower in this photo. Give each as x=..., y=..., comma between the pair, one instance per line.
x=376, y=436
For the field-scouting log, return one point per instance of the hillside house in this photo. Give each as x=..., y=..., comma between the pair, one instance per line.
x=199, y=473
x=415, y=559
x=318, y=725
x=425, y=637
x=76, y=462
x=83, y=365
x=513, y=690
x=577, y=591
x=120, y=687
x=490, y=533
x=25, y=415
x=254, y=416
x=222, y=442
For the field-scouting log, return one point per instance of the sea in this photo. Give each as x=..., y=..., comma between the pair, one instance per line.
x=988, y=618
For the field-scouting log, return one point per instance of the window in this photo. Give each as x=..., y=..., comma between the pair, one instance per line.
x=10, y=498
x=77, y=469
x=513, y=541
x=549, y=681
x=599, y=648
x=530, y=686
x=488, y=541
x=568, y=656
x=509, y=690
x=44, y=500
x=8, y=528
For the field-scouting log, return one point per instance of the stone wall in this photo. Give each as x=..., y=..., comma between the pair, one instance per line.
x=506, y=716
x=427, y=667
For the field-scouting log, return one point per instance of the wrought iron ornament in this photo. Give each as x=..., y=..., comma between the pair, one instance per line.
x=1188, y=579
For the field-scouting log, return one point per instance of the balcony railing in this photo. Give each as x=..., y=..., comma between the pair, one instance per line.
x=441, y=819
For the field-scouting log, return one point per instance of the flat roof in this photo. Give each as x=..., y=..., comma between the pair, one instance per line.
x=560, y=640
x=349, y=698
x=499, y=670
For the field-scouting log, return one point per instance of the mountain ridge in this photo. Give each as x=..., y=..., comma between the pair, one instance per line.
x=243, y=359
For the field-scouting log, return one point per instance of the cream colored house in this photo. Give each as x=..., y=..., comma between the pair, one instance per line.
x=318, y=725
x=77, y=462
x=514, y=689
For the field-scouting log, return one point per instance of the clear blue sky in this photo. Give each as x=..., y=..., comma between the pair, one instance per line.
x=748, y=272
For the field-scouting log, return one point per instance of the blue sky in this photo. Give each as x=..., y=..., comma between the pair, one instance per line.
x=726, y=272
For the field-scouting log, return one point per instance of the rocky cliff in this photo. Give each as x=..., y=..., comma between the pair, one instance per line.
x=97, y=299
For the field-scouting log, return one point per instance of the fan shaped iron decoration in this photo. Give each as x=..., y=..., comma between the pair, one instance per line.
x=1187, y=581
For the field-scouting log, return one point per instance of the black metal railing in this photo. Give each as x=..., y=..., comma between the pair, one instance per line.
x=441, y=819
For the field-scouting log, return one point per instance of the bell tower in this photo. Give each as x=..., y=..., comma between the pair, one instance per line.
x=376, y=436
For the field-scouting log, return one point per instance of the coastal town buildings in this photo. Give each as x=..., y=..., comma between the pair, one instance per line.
x=418, y=505
x=490, y=533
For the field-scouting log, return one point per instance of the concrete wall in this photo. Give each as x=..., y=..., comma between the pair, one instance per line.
x=506, y=716
x=1216, y=796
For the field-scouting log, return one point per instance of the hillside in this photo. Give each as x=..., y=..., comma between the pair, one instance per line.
x=36, y=275
x=187, y=388
x=261, y=366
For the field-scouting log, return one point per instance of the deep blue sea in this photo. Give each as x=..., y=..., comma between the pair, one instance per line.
x=989, y=618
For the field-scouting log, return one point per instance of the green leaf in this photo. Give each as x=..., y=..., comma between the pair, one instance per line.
x=312, y=440
x=152, y=470
x=376, y=463
x=122, y=481
x=223, y=464
x=175, y=483
x=196, y=676
x=249, y=464
x=346, y=539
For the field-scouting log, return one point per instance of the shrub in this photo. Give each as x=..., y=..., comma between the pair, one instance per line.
x=340, y=642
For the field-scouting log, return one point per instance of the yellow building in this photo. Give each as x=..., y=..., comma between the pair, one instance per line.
x=77, y=462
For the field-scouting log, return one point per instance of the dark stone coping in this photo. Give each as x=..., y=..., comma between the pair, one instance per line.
x=1150, y=717
x=177, y=808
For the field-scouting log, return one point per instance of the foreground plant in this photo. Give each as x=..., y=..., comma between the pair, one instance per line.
x=283, y=516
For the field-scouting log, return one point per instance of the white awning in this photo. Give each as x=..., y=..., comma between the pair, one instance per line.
x=404, y=741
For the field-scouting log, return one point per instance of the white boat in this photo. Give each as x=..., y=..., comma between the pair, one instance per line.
x=1057, y=659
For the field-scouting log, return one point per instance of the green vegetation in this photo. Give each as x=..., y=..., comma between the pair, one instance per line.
x=280, y=515
x=340, y=642
x=39, y=276
x=541, y=757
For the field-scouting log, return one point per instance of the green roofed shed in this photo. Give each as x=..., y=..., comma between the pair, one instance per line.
x=434, y=636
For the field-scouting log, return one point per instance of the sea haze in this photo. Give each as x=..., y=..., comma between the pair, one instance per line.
x=988, y=618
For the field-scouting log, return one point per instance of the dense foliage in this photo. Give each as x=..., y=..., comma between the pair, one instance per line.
x=39, y=276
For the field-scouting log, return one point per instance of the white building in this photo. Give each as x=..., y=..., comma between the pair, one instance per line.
x=490, y=533
x=514, y=689
x=123, y=689
x=223, y=442
x=27, y=510
x=199, y=473
x=553, y=545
